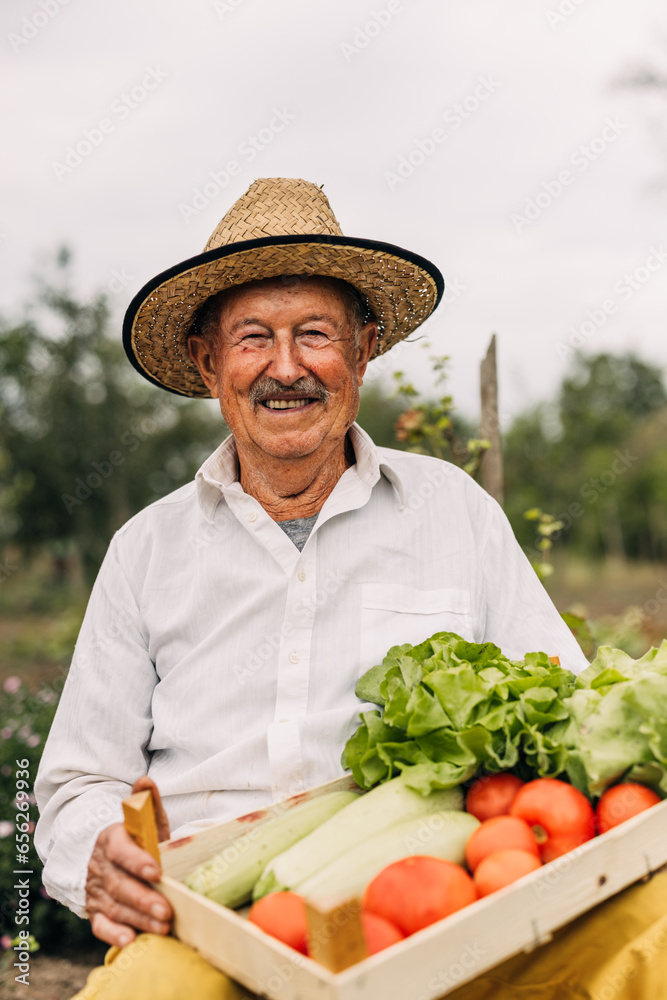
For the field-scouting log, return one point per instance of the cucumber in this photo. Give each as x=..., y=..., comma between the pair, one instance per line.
x=438, y=834
x=382, y=807
x=228, y=877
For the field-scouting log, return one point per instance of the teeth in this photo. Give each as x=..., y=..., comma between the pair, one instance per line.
x=285, y=404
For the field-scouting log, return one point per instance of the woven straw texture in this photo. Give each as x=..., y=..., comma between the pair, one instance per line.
x=401, y=293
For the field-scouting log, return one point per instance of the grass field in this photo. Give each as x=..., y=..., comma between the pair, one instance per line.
x=625, y=603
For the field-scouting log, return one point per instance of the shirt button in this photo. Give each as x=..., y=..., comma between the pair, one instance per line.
x=252, y=516
x=301, y=575
x=294, y=657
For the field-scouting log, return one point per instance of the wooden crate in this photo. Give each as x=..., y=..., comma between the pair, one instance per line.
x=433, y=962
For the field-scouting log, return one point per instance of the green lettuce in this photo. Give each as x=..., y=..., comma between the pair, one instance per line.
x=452, y=708
x=617, y=725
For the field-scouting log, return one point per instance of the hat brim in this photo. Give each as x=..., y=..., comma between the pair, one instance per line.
x=402, y=289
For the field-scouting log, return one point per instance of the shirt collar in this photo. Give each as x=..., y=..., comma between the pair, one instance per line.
x=371, y=464
x=220, y=471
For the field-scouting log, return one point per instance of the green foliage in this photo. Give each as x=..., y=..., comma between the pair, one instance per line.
x=596, y=459
x=378, y=413
x=582, y=631
x=431, y=428
x=546, y=526
x=84, y=441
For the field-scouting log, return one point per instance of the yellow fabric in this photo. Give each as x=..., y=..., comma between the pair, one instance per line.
x=618, y=951
x=158, y=968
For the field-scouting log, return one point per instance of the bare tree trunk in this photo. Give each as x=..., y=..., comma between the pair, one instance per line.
x=492, y=461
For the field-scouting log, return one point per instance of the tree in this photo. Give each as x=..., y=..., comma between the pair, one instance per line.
x=577, y=458
x=84, y=441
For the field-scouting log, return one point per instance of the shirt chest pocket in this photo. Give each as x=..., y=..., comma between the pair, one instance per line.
x=392, y=614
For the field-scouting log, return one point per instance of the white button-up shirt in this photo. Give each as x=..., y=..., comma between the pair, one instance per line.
x=222, y=661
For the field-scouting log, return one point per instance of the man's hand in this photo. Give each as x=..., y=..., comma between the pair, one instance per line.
x=118, y=900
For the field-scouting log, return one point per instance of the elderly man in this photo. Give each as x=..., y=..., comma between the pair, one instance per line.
x=231, y=620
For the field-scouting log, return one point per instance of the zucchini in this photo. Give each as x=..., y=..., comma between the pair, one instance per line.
x=438, y=834
x=382, y=807
x=228, y=877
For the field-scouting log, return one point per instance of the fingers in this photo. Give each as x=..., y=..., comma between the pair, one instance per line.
x=124, y=910
x=131, y=893
x=126, y=907
x=117, y=898
x=111, y=932
x=162, y=820
x=120, y=849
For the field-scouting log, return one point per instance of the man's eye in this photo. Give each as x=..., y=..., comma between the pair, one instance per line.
x=255, y=336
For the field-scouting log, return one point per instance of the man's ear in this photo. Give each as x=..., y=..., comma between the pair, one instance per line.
x=202, y=355
x=367, y=338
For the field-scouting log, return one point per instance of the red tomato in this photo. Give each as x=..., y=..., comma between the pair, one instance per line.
x=492, y=795
x=621, y=802
x=415, y=892
x=379, y=933
x=497, y=870
x=500, y=834
x=283, y=916
x=560, y=815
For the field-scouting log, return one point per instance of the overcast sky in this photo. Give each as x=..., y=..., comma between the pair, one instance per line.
x=538, y=201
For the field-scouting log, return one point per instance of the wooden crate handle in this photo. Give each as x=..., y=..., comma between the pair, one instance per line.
x=140, y=822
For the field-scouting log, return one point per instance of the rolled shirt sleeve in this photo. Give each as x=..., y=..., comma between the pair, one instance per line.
x=97, y=744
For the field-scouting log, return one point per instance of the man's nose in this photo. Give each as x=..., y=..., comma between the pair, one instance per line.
x=286, y=363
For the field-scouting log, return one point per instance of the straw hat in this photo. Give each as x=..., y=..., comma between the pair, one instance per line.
x=279, y=226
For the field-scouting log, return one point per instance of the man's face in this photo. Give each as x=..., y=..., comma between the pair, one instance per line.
x=285, y=367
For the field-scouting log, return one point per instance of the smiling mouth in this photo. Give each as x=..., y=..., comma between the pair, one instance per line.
x=286, y=404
